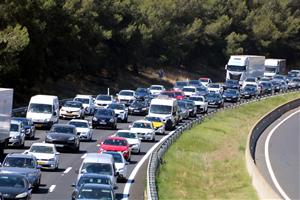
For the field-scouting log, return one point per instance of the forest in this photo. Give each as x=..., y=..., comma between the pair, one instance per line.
x=42, y=39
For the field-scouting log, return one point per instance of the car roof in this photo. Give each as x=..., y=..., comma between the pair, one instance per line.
x=94, y=185
x=15, y=122
x=98, y=158
x=64, y=125
x=116, y=138
x=78, y=120
x=18, y=155
x=125, y=130
x=142, y=121
x=13, y=174
x=43, y=144
x=20, y=118
x=94, y=175
x=127, y=91
x=83, y=96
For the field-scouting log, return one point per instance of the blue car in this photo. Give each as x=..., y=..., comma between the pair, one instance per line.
x=95, y=191
x=215, y=100
x=28, y=126
x=142, y=92
x=232, y=95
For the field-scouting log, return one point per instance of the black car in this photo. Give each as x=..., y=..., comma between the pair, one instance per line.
x=15, y=186
x=276, y=85
x=249, y=92
x=95, y=191
x=104, y=117
x=90, y=178
x=231, y=95
x=231, y=84
x=191, y=106
x=142, y=93
x=27, y=125
x=138, y=108
x=195, y=83
x=266, y=87
x=215, y=100
x=64, y=136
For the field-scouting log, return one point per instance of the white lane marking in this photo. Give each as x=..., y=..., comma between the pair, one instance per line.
x=138, y=166
x=67, y=170
x=51, y=188
x=268, y=161
x=83, y=156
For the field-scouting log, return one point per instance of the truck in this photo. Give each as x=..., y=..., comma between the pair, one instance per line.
x=6, y=98
x=274, y=66
x=240, y=67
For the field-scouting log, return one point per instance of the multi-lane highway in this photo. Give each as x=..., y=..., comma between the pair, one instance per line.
x=277, y=155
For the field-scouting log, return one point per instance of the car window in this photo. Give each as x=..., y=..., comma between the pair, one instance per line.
x=14, y=127
x=73, y=104
x=12, y=181
x=79, y=124
x=62, y=129
x=19, y=162
x=95, y=180
x=98, y=168
x=126, y=135
x=115, y=142
x=142, y=125
x=41, y=149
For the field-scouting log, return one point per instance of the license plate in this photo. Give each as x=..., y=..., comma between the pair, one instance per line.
x=136, y=111
x=102, y=122
x=59, y=145
x=38, y=125
x=40, y=162
x=228, y=98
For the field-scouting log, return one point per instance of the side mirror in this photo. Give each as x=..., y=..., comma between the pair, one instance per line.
x=22, y=131
x=39, y=167
x=26, y=152
x=130, y=126
x=57, y=153
x=54, y=113
x=73, y=185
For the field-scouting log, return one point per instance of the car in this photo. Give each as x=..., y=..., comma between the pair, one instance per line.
x=104, y=117
x=231, y=84
x=169, y=93
x=63, y=136
x=294, y=83
x=189, y=90
x=215, y=87
x=120, y=163
x=91, y=191
x=87, y=103
x=192, y=107
x=158, y=124
x=231, y=95
x=265, y=79
x=90, y=178
x=266, y=87
x=25, y=165
x=144, y=129
x=138, y=107
x=14, y=186
x=215, y=100
x=121, y=112
x=280, y=77
x=16, y=134
x=180, y=84
x=249, y=91
x=132, y=138
x=126, y=96
x=102, y=100
x=183, y=113
x=142, y=92
x=284, y=86
x=179, y=95
x=72, y=110
x=201, y=91
x=279, y=86
x=156, y=89
x=205, y=81
x=28, y=126
x=201, y=103
x=118, y=144
x=46, y=154
x=250, y=81
x=293, y=74
x=195, y=83
x=83, y=129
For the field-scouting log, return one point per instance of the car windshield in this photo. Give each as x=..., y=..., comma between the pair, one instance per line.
x=103, y=112
x=126, y=135
x=126, y=93
x=270, y=69
x=137, y=103
x=40, y=108
x=265, y=84
x=79, y=124
x=181, y=104
x=169, y=94
x=296, y=80
x=115, y=142
x=196, y=99
x=214, y=86
x=12, y=181
x=117, y=106
x=230, y=91
x=141, y=90
x=141, y=125
x=103, y=98
x=160, y=109
x=181, y=83
x=178, y=93
x=250, y=80
x=117, y=157
x=24, y=121
x=19, y=162
x=279, y=77
x=93, y=193
x=194, y=82
x=232, y=82
x=155, y=88
x=204, y=80
x=189, y=89
x=236, y=68
x=212, y=95
x=41, y=149
x=95, y=180
x=73, y=104
x=201, y=89
x=14, y=127
x=82, y=100
x=249, y=88
x=153, y=119
x=98, y=168
x=62, y=129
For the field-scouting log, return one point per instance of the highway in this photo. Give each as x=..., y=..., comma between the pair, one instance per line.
x=277, y=155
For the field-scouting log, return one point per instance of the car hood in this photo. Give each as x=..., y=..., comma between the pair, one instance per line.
x=11, y=192
x=20, y=170
x=42, y=155
x=60, y=136
x=13, y=133
x=120, y=166
x=132, y=141
x=125, y=97
x=38, y=117
x=81, y=130
x=113, y=148
x=72, y=109
x=141, y=130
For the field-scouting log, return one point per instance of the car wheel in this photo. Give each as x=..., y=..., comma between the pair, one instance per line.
x=36, y=186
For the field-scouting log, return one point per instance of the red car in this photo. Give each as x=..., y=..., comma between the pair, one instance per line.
x=116, y=144
x=179, y=95
x=176, y=94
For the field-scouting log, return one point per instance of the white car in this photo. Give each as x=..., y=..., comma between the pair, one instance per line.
x=126, y=96
x=120, y=164
x=120, y=110
x=201, y=103
x=215, y=87
x=46, y=155
x=102, y=100
x=189, y=90
x=252, y=81
x=16, y=134
x=144, y=129
x=132, y=138
x=156, y=89
x=87, y=103
x=205, y=81
x=72, y=109
x=83, y=129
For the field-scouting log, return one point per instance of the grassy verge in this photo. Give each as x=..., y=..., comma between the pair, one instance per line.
x=207, y=162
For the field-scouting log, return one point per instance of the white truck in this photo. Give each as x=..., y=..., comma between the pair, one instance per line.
x=240, y=67
x=6, y=98
x=274, y=66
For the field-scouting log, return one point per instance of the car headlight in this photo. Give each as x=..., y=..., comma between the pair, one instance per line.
x=22, y=195
x=30, y=174
x=95, y=119
x=112, y=120
x=28, y=130
x=72, y=138
x=144, y=109
x=62, y=110
x=49, y=137
x=16, y=137
x=46, y=120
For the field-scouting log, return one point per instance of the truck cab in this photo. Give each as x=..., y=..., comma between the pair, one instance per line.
x=274, y=66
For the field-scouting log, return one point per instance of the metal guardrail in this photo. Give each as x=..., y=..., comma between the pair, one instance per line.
x=156, y=158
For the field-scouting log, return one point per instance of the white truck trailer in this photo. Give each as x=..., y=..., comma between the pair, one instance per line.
x=6, y=99
x=274, y=66
x=240, y=67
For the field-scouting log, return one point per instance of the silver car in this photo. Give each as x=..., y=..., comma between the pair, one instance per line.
x=17, y=134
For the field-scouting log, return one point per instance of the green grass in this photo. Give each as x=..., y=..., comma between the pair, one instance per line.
x=207, y=162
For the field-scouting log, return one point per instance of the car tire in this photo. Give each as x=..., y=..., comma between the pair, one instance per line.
x=36, y=186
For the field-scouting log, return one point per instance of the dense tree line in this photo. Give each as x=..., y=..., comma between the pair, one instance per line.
x=52, y=38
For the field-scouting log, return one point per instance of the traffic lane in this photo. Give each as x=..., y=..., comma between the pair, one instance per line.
x=284, y=152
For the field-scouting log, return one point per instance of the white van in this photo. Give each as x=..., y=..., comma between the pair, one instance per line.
x=165, y=108
x=43, y=110
x=99, y=164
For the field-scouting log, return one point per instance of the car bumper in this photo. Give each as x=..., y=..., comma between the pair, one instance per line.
x=70, y=115
x=135, y=148
x=102, y=124
x=43, y=124
x=62, y=144
x=46, y=164
x=145, y=137
x=14, y=142
x=84, y=136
